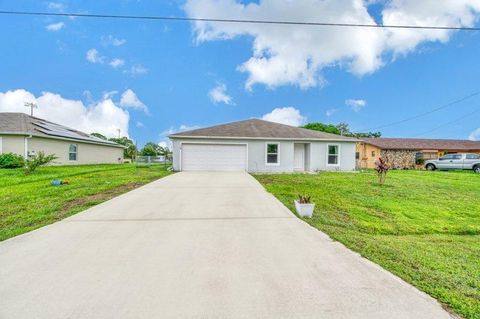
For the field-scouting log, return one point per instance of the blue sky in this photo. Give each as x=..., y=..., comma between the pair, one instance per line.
x=152, y=77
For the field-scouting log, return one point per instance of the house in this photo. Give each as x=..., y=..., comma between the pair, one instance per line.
x=26, y=135
x=405, y=152
x=260, y=146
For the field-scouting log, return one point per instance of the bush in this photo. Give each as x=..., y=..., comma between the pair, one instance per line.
x=420, y=161
x=10, y=160
x=38, y=160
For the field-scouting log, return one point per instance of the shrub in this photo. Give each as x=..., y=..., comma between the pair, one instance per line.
x=10, y=160
x=382, y=167
x=420, y=161
x=38, y=160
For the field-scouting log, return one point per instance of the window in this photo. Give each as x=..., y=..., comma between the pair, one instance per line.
x=473, y=156
x=357, y=155
x=373, y=154
x=332, y=155
x=447, y=157
x=457, y=156
x=272, y=154
x=72, y=152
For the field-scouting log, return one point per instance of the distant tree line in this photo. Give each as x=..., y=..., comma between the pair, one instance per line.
x=339, y=129
x=131, y=151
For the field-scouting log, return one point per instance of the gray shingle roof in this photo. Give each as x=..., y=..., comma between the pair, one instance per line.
x=423, y=144
x=23, y=124
x=259, y=129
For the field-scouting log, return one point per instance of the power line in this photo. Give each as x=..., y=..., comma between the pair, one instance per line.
x=424, y=113
x=448, y=123
x=281, y=22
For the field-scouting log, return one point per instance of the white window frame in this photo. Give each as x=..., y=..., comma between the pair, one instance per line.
x=338, y=154
x=76, y=152
x=266, y=154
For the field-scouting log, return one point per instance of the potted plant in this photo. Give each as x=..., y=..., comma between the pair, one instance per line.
x=304, y=207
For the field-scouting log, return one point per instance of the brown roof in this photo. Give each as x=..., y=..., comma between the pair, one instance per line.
x=23, y=124
x=423, y=144
x=260, y=129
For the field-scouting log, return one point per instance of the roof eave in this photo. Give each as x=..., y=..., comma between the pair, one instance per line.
x=173, y=136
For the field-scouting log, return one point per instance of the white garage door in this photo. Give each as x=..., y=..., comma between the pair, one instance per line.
x=214, y=157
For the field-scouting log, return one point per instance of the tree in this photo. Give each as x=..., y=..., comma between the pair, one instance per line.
x=130, y=150
x=31, y=164
x=100, y=136
x=151, y=149
x=339, y=129
x=317, y=126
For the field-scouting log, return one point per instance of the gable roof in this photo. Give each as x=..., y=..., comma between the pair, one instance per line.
x=423, y=144
x=23, y=124
x=260, y=129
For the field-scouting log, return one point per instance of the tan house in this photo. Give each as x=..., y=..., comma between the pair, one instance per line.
x=404, y=152
x=26, y=136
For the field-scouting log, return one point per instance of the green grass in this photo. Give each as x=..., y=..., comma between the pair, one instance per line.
x=28, y=202
x=422, y=226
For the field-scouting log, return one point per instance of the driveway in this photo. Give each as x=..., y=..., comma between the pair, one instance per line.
x=196, y=245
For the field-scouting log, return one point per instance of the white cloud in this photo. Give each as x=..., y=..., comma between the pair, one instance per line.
x=330, y=112
x=93, y=56
x=285, y=115
x=102, y=116
x=136, y=70
x=356, y=105
x=116, y=63
x=139, y=124
x=55, y=26
x=296, y=55
x=129, y=99
x=111, y=40
x=475, y=135
x=219, y=94
x=56, y=6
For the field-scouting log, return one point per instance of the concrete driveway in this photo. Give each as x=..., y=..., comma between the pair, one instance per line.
x=196, y=245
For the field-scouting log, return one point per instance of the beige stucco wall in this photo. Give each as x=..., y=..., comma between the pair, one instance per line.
x=87, y=153
x=12, y=144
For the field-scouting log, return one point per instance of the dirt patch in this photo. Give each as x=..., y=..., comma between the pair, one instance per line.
x=97, y=198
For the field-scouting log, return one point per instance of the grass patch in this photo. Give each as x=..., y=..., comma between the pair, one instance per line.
x=422, y=226
x=29, y=201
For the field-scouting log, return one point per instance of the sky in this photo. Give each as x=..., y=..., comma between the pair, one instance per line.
x=146, y=79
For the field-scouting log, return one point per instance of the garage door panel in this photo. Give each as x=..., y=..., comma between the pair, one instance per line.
x=214, y=157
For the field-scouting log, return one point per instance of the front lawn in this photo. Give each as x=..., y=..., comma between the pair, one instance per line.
x=28, y=202
x=422, y=226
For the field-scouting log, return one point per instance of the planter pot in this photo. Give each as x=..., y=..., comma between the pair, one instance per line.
x=304, y=210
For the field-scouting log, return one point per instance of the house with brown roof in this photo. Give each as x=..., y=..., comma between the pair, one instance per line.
x=26, y=135
x=406, y=152
x=260, y=146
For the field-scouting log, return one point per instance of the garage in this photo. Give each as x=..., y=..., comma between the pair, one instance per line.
x=213, y=157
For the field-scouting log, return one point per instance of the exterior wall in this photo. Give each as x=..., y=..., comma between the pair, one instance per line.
x=12, y=144
x=366, y=160
x=400, y=159
x=86, y=153
x=315, y=154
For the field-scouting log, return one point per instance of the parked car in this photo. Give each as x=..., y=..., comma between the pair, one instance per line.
x=455, y=161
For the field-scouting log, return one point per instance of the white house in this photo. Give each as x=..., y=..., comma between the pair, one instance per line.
x=26, y=135
x=260, y=146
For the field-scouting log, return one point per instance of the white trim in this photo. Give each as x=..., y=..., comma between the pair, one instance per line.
x=1, y=145
x=306, y=139
x=266, y=154
x=76, y=152
x=211, y=143
x=338, y=155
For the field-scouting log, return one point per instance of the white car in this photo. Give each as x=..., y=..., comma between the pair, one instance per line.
x=455, y=161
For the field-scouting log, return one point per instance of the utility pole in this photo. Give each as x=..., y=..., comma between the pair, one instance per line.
x=31, y=106
x=118, y=133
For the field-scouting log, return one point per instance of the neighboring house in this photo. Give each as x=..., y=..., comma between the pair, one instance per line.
x=404, y=152
x=260, y=146
x=25, y=135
